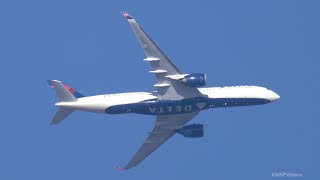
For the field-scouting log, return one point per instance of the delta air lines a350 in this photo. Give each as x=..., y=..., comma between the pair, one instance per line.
x=178, y=99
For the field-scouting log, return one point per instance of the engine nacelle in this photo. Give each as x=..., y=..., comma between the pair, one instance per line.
x=191, y=131
x=195, y=80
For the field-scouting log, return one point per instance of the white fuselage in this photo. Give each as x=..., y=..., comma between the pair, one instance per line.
x=147, y=102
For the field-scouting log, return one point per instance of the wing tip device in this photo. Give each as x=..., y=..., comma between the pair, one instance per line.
x=126, y=15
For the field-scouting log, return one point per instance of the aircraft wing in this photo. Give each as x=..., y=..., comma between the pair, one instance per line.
x=167, y=74
x=165, y=127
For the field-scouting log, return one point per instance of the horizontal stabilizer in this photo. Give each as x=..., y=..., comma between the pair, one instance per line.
x=61, y=114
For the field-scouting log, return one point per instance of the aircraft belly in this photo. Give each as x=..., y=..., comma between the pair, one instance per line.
x=233, y=102
x=160, y=107
x=170, y=107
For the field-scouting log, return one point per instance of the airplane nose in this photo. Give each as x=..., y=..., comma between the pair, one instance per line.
x=274, y=96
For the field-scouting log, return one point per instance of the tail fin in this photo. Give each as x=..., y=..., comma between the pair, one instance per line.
x=61, y=87
x=65, y=94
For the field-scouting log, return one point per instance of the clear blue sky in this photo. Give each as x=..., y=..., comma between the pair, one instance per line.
x=89, y=45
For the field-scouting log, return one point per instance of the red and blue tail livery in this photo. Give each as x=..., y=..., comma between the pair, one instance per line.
x=75, y=93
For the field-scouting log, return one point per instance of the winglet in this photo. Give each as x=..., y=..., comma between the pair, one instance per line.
x=126, y=15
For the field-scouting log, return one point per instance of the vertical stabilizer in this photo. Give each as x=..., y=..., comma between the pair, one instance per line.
x=63, y=93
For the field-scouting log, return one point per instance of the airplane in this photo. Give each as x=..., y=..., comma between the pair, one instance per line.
x=177, y=100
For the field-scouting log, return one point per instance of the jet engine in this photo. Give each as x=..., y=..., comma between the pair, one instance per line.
x=191, y=131
x=195, y=80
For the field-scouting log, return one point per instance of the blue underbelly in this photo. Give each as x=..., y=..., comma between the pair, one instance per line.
x=167, y=107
